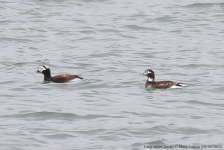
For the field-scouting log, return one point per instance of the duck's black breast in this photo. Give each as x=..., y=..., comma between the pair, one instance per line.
x=160, y=84
x=63, y=78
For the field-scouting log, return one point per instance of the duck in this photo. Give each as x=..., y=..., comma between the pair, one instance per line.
x=62, y=78
x=151, y=83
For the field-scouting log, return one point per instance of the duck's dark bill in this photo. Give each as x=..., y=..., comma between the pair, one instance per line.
x=38, y=71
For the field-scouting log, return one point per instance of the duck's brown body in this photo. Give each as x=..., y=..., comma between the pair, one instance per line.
x=63, y=78
x=160, y=84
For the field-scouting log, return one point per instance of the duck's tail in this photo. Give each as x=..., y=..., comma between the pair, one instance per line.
x=80, y=77
x=181, y=85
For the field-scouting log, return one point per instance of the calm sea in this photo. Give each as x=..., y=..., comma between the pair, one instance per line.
x=110, y=43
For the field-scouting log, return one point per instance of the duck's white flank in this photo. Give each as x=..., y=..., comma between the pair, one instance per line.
x=180, y=85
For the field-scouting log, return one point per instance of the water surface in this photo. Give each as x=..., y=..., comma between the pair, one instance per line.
x=110, y=43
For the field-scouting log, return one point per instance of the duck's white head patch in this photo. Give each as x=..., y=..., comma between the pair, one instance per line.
x=147, y=72
x=42, y=69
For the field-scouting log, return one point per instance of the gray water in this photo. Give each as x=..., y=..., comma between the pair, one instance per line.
x=110, y=43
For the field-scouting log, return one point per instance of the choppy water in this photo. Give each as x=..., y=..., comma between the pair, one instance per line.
x=110, y=43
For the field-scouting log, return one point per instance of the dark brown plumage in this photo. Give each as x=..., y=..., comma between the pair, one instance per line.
x=160, y=84
x=151, y=83
x=63, y=78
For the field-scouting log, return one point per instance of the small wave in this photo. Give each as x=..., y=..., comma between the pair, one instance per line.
x=203, y=5
x=53, y=115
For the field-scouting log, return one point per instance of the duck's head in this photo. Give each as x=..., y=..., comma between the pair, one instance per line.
x=44, y=70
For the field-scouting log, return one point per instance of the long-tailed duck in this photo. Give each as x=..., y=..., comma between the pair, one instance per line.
x=151, y=83
x=59, y=78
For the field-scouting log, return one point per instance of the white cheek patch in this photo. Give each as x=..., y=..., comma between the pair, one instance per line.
x=42, y=69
